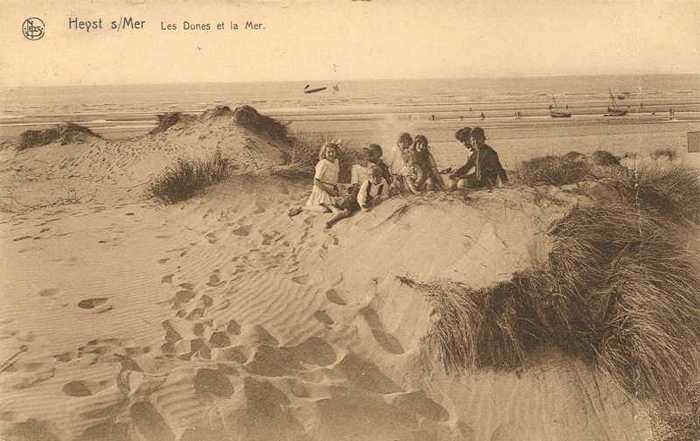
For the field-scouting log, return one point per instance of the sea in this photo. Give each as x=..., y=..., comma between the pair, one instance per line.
x=512, y=108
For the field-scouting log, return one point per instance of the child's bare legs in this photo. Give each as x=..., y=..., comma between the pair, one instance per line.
x=316, y=208
x=338, y=215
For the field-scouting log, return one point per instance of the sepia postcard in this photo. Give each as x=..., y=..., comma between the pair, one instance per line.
x=349, y=220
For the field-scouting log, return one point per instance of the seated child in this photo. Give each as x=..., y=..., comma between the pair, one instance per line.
x=424, y=174
x=345, y=205
x=360, y=172
x=375, y=158
x=325, y=180
x=401, y=163
x=373, y=190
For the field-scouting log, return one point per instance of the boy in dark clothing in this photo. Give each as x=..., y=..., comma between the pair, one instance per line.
x=462, y=135
x=484, y=160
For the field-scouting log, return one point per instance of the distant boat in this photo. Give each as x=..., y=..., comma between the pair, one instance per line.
x=314, y=90
x=613, y=109
x=557, y=113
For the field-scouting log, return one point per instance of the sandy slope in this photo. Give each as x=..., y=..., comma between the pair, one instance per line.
x=222, y=318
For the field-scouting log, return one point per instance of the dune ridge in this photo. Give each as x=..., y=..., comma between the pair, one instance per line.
x=222, y=318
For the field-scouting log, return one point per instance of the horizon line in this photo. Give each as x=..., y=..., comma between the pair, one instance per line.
x=500, y=77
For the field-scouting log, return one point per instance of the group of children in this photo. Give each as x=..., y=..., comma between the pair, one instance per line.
x=413, y=170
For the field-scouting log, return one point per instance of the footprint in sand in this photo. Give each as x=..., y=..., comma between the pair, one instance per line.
x=242, y=231
x=183, y=296
x=149, y=423
x=297, y=388
x=210, y=381
x=301, y=280
x=195, y=314
x=211, y=238
x=132, y=351
x=83, y=388
x=92, y=303
x=49, y=292
x=186, y=285
x=267, y=238
x=215, y=280
x=387, y=341
x=219, y=339
x=64, y=357
x=333, y=297
x=233, y=327
x=323, y=317
x=199, y=328
x=163, y=260
x=206, y=301
x=419, y=403
x=167, y=279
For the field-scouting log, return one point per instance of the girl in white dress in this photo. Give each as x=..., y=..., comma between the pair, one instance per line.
x=325, y=187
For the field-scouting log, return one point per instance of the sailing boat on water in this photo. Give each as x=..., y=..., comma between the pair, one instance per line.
x=613, y=108
x=555, y=113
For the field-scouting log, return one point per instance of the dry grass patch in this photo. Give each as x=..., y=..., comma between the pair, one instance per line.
x=620, y=289
x=189, y=176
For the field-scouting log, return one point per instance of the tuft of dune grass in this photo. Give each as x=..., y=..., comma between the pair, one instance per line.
x=169, y=119
x=554, y=170
x=188, y=176
x=569, y=168
x=66, y=133
x=246, y=116
x=620, y=290
x=679, y=424
x=667, y=153
x=604, y=158
x=672, y=192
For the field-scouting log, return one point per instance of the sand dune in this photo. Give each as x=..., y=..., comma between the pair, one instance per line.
x=222, y=318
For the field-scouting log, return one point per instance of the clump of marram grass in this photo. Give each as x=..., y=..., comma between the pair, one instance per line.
x=668, y=153
x=604, y=158
x=553, y=170
x=633, y=296
x=169, y=119
x=672, y=192
x=621, y=290
x=67, y=133
x=251, y=119
x=478, y=328
x=189, y=176
x=679, y=424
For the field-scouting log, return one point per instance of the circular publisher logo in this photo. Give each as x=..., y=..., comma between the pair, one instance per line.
x=33, y=28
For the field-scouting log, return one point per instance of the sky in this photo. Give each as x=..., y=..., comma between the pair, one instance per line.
x=345, y=40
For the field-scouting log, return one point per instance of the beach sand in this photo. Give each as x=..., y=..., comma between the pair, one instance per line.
x=222, y=318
